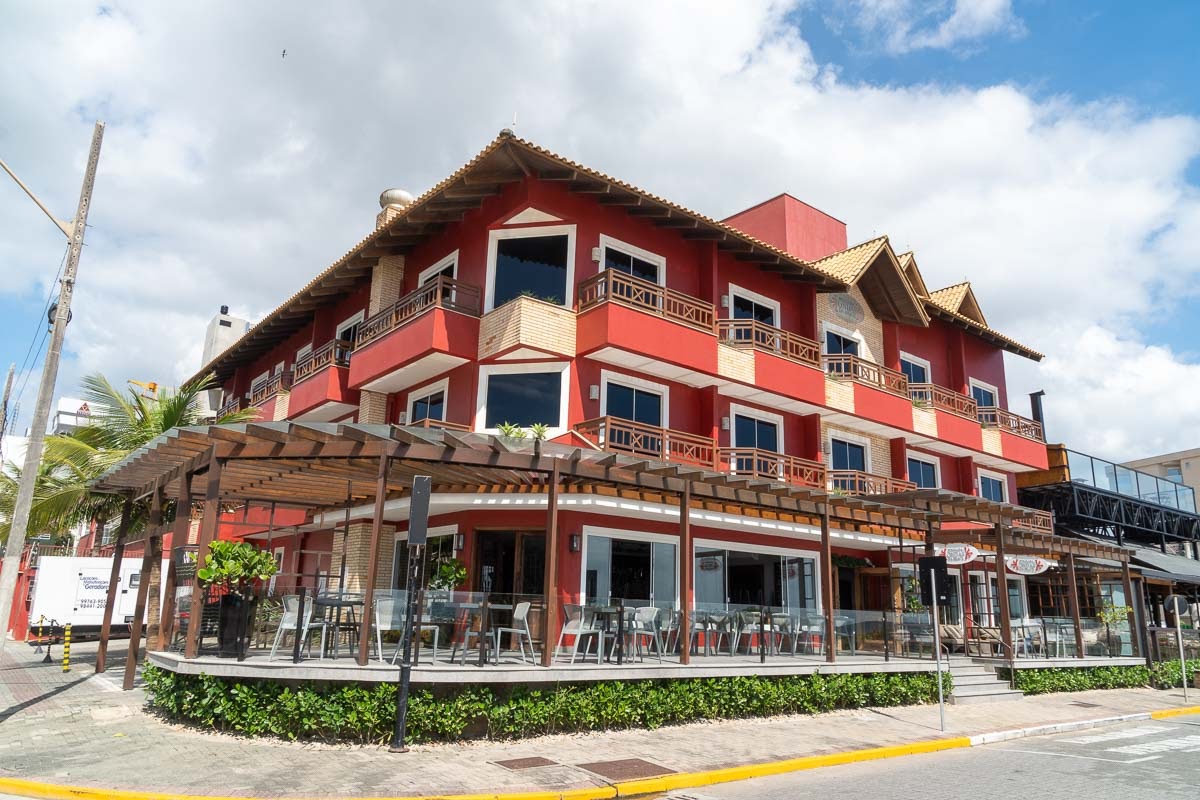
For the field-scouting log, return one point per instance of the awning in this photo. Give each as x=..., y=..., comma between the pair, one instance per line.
x=1151, y=562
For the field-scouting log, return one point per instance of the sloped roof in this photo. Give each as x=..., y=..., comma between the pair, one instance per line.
x=960, y=298
x=908, y=262
x=957, y=305
x=872, y=266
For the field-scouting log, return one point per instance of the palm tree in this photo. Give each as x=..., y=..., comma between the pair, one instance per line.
x=120, y=422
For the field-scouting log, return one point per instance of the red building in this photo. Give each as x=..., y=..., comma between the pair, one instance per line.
x=527, y=289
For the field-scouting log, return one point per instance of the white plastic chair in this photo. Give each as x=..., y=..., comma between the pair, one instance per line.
x=646, y=626
x=389, y=616
x=579, y=624
x=291, y=620
x=519, y=630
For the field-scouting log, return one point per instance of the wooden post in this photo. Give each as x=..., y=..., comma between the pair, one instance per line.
x=114, y=578
x=151, y=552
x=179, y=535
x=209, y=522
x=1130, y=614
x=686, y=578
x=1002, y=590
x=827, y=579
x=550, y=579
x=364, y=635
x=1073, y=603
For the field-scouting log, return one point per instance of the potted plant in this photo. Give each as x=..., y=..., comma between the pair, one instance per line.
x=235, y=566
x=449, y=574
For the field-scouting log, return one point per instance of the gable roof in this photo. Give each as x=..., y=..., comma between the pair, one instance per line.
x=908, y=262
x=960, y=298
x=872, y=266
x=957, y=305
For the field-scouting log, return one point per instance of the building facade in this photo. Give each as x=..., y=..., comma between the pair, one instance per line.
x=528, y=291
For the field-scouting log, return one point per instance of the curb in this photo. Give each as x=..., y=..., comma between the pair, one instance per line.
x=665, y=783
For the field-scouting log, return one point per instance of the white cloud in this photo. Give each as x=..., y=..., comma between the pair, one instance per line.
x=901, y=26
x=232, y=175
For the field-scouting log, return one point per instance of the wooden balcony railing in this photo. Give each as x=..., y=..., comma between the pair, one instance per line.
x=617, y=435
x=626, y=290
x=265, y=390
x=232, y=406
x=440, y=423
x=992, y=417
x=1036, y=521
x=849, y=481
x=443, y=292
x=759, y=336
x=772, y=466
x=943, y=399
x=847, y=367
x=335, y=353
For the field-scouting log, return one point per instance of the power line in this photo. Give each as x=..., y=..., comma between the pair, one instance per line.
x=39, y=334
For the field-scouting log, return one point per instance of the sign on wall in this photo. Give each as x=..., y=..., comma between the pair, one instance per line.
x=956, y=554
x=1026, y=565
x=846, y=308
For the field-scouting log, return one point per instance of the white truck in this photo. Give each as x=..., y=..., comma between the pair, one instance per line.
x=70, y=589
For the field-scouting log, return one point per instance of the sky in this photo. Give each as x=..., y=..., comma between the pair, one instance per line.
x=1049, y=152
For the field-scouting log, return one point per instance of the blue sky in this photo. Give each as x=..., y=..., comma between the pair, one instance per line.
x=1047, y=151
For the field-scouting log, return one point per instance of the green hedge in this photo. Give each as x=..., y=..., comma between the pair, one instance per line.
x=350, y=712
x=1163, y=675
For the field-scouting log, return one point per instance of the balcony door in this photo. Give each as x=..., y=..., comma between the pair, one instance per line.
x=763, y=436
x=640, y=402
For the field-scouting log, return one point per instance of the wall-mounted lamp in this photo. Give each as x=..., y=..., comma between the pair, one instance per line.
x=724, y=301
x=576, y=542
x=596, y=254
x=460, y=541
x=593, y=392
x=402, y=418
x=724, y=423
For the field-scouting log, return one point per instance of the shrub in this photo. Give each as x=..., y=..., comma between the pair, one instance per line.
x=352, y=712
x=1166, y=674
x=1069, y=679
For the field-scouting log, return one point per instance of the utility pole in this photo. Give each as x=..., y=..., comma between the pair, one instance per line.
x=4, y=408
x=41, y=412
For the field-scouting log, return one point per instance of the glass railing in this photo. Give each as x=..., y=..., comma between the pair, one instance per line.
x=1112, y=477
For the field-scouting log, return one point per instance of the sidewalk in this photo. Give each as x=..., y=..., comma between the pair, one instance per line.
x=79, y=729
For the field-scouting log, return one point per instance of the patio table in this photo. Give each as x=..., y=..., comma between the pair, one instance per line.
x=334, y=605
x=606, y=614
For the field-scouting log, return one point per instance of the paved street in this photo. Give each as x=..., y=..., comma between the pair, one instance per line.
x=1134, y=761
x=80, y=729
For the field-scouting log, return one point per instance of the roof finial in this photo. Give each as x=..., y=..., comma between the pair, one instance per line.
x=509, y=132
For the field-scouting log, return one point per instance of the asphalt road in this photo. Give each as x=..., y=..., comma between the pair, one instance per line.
x=1150, y=760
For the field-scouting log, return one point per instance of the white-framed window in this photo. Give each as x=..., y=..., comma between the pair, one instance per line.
x=428, y=402
x=439, y=545
x=993, y=486
x=537, y=261
x=348, y=329
x=523, y=394
x=735, y=572
x=745, y=304
x=631, y=565
x=924, y=470
x=752, y=427
x=304, y=352
x=635, y=399
x=623, y=257
x=915, y=368
x=447, y=266
x=985, y=394
x=848, y=451
x=836, y=340
x=280, y=367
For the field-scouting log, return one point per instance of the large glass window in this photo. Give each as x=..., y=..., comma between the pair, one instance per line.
x=437, y=549
x=848, y=456
x=523, y=398
x=429, y=406
x=836, y=343
x=923, y=473
x=638, y=405
x=992, y=489
x=985, y=396
x=757, y=433
x=630, y=570
x=535, y=266
x=914, y=371
x=744, y=578
x=745, y=308
x=630, y=264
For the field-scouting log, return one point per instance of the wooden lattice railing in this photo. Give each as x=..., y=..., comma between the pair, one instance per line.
x=618, y=287
x=848, y=367
x=617, y=435
x=992, y=417
x=854, y=482
x=772, y=466
x=263, y=391
x=760, y=336
x=334, y=353
x=943, y=399
x=442, y=292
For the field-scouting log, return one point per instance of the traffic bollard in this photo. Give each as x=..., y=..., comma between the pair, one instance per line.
x=67, y=648
x=41, y=619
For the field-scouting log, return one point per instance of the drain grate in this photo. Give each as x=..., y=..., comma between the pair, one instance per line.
x=525, y=763
x=626, y=769
x=1082, y=704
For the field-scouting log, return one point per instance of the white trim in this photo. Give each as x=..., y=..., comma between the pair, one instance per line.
x=303, y=352
x=261, y=379
x=438, y=267
x=975, y=382
x=607, y=241
x=925, y=459
x=980, y=472
x=494, y=237
x=663, y=391
x=755, y=297
x=630, y=536
x=486, y=371
x=849, y=438
x=754, y=413
x=432, y=533
x=863, y=351
x=279, y=367
x=424, y=391
x=922, y=362
x=761, y=549
x=346, y=323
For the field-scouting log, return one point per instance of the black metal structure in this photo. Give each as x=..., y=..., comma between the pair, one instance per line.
x=1111, y=515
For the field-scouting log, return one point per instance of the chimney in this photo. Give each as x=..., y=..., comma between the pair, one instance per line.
x=392, y=201
x=1035, y=408
x=224, y=311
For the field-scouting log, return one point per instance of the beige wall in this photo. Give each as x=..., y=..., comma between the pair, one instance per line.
x=869, y=331
x=879, y=448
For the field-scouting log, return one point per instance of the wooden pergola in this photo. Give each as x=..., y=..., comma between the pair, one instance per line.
x=324, y=466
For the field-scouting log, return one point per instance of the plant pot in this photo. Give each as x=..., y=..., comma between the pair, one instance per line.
x=234, y=623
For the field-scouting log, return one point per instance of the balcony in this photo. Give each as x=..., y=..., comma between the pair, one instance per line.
x=749, y=333
x=440, y=424
x=320, y=391
x=421, y=335
x=855, y=482
x=772, y=466
x=939, y=398
x=992, y=417
x=616, y=435
x=844, y=366
x=264, y=391
x=1035, y=522
x=639, y=325
x=232, y=406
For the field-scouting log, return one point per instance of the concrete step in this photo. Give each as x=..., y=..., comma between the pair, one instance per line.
x=995, y=696
x=976, y=680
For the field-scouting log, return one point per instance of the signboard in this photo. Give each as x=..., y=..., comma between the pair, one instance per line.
x=932, y=572
x=1026, y=565
x=846, y=308
x=74, y=589
x=956, y=554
